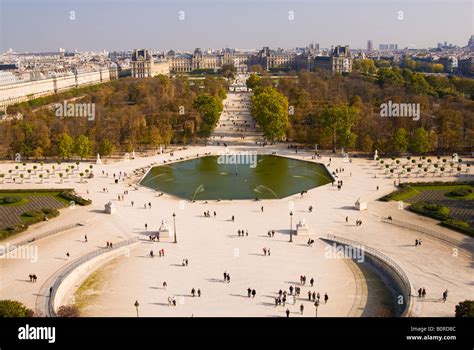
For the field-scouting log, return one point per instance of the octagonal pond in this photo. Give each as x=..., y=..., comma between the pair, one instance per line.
x=210, y=178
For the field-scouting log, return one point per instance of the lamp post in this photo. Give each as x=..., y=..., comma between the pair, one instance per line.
x=174, y=230
x=291, y=226
x=316, y=304
x=136, y=306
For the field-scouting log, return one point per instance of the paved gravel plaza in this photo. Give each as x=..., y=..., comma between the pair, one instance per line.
x=212, y=247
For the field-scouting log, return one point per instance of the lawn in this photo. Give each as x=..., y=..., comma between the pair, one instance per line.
x=451, y=203
x=25, y=196
x=413, y=189
x=21, y=208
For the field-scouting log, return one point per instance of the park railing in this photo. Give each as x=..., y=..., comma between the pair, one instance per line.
x=432, y=233
x=45, y=307
x=30, y=240
x=405, y=286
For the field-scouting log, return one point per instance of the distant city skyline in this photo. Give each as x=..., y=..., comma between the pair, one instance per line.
x=114, y=25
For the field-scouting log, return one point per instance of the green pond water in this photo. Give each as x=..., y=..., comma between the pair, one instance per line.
x=263, y=177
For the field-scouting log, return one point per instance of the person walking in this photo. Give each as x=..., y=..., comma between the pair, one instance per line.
x=326, y=298
x=445, y=295
x=85, y=238
x=287, y=312
x=311, y=281
x=301, y=308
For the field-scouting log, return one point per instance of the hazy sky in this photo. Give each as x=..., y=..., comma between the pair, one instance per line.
x=45, y=25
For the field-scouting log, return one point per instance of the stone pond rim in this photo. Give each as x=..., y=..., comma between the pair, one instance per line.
x=203, y=178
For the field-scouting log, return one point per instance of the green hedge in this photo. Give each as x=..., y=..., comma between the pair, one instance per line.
x=29, y=218
x=465, y=309
x=36, y=190
x=12, y=230
x=458, y=225
x=460, y=192
x=50, y=213
x=407, y=187
x=32, y=213
x=434, y=211
x=10, y=200
x=33, y=216
x=12, y=308
x=439, y=212
x=69, y=196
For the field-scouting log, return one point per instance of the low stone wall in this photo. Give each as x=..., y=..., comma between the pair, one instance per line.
x=65, y=280
x=389, y=272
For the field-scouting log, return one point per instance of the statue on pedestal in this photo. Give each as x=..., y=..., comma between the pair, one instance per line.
x=110, y=208
x=359, y=205
x=302, y=228
x=455, y=158
x=164, y=230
